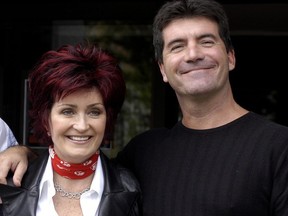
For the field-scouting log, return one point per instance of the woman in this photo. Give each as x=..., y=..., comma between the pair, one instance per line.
x=76, y=94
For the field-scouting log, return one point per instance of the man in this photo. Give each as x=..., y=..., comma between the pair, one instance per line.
x=7, y=137
x=219, y=159
x=7, y=140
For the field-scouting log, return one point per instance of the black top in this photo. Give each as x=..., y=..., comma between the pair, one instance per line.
x=237, y=169
x=121, y=195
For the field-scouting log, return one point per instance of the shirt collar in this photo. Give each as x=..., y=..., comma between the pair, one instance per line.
x=47, y=189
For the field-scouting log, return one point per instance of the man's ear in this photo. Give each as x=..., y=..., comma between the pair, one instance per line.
x=162, y=70
x=231, y=59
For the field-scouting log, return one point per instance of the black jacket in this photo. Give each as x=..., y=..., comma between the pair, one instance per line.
x=121, y=195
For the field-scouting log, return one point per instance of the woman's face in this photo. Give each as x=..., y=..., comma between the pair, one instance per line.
x=77, y=125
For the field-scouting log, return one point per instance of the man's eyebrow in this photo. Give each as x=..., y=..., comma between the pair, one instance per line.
x=208, y=35
x=179, y=40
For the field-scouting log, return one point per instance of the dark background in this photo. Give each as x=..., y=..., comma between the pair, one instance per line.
x=259, y=33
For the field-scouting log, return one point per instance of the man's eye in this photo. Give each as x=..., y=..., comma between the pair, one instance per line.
x=208, y=43
x=176, y=48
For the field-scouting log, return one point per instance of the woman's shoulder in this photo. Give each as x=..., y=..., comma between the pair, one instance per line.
x=128, y=179
x=119, y=173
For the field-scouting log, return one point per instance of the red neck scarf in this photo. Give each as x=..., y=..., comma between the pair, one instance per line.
x=73, y=171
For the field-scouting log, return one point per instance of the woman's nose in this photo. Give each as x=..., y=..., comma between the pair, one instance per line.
x=81, y=124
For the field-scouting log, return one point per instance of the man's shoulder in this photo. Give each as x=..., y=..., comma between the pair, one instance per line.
x=153, y=133
x=265, y=122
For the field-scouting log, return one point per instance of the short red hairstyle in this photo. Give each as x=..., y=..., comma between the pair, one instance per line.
x=69, y=69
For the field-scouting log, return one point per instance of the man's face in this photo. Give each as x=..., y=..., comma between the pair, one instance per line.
x=195, y=59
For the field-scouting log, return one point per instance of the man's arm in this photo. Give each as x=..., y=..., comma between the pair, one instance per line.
x=16, y=159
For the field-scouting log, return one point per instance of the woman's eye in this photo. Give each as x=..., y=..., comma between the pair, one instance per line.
x=67, y=112
x=95, y=113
